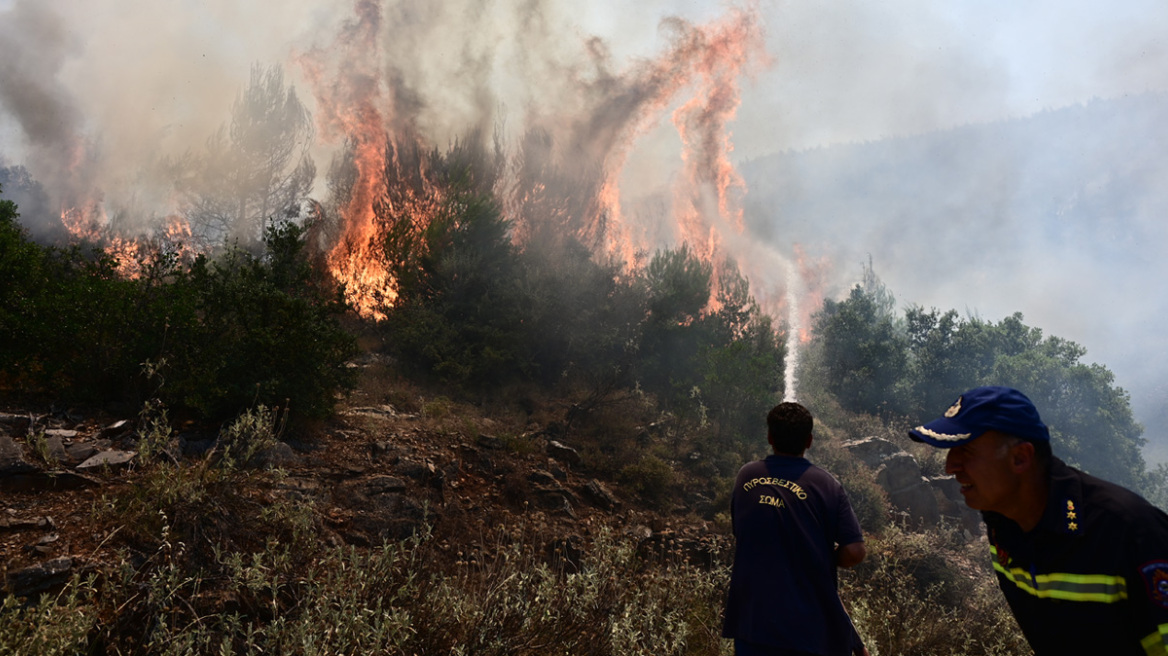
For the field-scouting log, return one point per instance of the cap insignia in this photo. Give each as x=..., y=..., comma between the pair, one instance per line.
x=953, y=409
x=942, y=436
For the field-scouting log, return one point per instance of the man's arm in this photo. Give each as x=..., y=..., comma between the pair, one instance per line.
x=850, y=555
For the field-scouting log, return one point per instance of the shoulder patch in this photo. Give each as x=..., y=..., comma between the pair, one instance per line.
x=1155, y=576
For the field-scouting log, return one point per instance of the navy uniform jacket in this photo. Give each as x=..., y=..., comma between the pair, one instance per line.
x=1092, y=577
x=789, y=515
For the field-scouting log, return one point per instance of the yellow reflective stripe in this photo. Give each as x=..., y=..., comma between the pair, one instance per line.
x=1156, y=643
x=1101, y=588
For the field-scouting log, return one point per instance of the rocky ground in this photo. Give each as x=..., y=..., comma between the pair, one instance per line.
x=371, y=473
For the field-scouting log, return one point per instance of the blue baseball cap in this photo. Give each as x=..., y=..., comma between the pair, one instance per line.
x=984, y=409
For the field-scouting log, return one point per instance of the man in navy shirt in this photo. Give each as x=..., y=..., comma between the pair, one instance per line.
x=793, y=526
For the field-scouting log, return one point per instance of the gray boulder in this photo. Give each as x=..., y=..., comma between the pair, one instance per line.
x=40, y=578
x=899, y=474
x=872, y=451
x=14, y=424
x=280, y=454
x=12, y=458
x=600, y=496
x=563, y=453
x=952, y=505
x=112, y=459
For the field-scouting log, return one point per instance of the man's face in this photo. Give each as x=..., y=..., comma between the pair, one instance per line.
x=985, y=468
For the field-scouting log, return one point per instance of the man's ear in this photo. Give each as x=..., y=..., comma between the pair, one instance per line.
x=1022, y=456
x=807, y=443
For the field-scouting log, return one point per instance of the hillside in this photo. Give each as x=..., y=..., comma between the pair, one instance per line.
x=1058, y=215
x=479, y=524
x=371, y=473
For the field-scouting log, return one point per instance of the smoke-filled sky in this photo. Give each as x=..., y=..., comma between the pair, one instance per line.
x=842, y=70
x=136, y=81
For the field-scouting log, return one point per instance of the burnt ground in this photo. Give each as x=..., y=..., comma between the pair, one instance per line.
x=371, y=473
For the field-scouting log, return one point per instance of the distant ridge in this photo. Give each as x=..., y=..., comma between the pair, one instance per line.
x=1061, y=215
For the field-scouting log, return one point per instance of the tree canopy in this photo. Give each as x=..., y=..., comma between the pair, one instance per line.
x=914, y=365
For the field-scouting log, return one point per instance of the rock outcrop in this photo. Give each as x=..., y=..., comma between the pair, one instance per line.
x=926, y=501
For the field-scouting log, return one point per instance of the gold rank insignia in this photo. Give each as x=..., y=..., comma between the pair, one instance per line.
x=954, y=409
x=1072, y=525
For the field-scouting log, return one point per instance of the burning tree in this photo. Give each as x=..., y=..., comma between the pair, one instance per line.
x=254, y=169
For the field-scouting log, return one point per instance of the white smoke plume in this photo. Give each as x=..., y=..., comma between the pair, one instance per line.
x=94, y=95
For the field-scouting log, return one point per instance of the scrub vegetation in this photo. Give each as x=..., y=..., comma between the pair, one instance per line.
x=660, y=377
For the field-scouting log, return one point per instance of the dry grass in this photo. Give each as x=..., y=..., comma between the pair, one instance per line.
x=208, y=565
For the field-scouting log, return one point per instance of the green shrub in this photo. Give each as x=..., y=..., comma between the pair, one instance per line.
x=233, y=332
x=262, y=333
x=68, y=322
x=437, y=408
x=252, y=432
x=51, y=625
x=459, y=312
x=650, y=477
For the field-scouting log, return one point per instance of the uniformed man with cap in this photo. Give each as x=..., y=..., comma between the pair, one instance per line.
x=1082, y=562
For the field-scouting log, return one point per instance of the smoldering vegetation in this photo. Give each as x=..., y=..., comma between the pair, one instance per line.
x=658, y=377
x=443, y=263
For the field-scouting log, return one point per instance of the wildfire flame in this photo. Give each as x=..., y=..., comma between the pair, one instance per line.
x=699, y=75
x=90, y=223
x=563, y=174
x=349, y=106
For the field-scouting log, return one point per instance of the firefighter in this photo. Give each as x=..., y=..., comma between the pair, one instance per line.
x=1083, y=563
x=793, y=527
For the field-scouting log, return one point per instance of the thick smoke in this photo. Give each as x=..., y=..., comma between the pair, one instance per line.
x=34, y=47
x=96, y=97
x=101, y=123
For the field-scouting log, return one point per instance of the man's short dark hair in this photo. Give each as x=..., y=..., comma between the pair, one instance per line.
x=788, y=425
x=1042, y=452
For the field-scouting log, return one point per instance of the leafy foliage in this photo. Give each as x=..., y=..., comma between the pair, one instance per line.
x=908, y=599
x=478, y=312
x=864, y=353
x=459, y=310
x=875, y=362
x=235, y=331
x=63, y=315
x=259, y=330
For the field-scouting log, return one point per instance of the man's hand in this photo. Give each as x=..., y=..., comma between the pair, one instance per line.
x=850, y=555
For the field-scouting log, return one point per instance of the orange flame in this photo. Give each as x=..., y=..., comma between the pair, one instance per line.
x=90, y=223
x=348, y=106
x=699, y=72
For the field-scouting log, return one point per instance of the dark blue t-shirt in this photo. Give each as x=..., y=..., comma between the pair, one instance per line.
x=789, y=515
